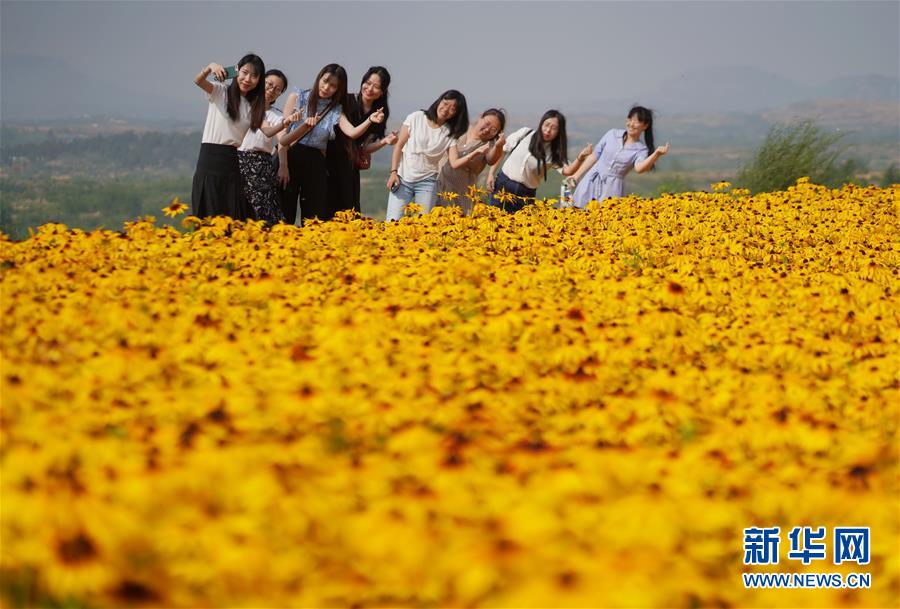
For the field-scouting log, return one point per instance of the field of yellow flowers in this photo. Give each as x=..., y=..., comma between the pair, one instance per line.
x=552, y=408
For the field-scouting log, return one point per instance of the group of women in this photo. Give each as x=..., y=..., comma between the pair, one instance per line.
x=257, y=162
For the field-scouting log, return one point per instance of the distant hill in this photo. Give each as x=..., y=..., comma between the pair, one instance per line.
x=729, y=90
x=743, y=89
x=870, y=88
x=40, y=88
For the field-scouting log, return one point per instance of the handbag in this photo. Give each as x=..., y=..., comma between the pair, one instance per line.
x=362, y=158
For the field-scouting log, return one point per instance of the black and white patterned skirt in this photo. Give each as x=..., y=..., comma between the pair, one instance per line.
x=260, y=185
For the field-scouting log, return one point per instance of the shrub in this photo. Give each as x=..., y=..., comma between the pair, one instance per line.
x=794, y=151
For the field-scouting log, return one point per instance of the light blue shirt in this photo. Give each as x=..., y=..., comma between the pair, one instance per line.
x=320, y=134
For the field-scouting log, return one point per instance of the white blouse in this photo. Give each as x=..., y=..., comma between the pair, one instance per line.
x=521, y=166
x=219, y=128
x=257, y=140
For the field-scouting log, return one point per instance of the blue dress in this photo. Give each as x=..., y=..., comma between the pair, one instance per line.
x=607, y=177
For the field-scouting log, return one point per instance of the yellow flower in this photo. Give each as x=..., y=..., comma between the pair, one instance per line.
x=482, y=410
x=720, y=186
x=475, y=194
x=448, y=196
x=175, y=208
x=504, y=196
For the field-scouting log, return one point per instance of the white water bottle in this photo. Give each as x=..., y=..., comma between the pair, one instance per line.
x=565, y=194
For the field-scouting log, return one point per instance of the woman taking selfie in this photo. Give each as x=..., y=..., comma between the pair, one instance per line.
x=233, y=110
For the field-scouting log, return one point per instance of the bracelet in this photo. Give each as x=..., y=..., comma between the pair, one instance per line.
x=395, y=171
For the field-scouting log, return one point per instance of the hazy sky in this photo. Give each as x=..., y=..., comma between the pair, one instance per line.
x=489, y=50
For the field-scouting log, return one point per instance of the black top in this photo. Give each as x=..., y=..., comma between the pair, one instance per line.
x=356, y=116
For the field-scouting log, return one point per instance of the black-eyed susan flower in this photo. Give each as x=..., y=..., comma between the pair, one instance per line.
x=174, y=208
x=544, y=408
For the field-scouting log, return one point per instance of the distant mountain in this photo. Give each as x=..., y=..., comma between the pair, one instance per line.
x=743, y=89
x=871, y=87
x=40, y=88
x=723, y=89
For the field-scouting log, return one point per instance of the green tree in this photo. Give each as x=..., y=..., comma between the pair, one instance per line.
x=793, y=151
x=891, y=176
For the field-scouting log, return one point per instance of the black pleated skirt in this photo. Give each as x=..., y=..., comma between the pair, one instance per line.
x=218, y=188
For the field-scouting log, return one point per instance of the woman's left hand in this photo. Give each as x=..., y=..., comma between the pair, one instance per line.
x=284, y=175
x=390, y=139
x=377, y=117
x=662, y=150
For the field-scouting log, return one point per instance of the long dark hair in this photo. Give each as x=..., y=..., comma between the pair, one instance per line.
x=340, y=96
x=645, y=115
x=557, y=146
x=256, y=97
x=380, y=103
x=460, y=122
x=356, y=114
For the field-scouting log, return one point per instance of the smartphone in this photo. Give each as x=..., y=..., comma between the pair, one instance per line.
x=230, y=72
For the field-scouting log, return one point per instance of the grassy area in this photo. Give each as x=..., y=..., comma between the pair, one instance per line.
x=107, y=202
x=86, y=203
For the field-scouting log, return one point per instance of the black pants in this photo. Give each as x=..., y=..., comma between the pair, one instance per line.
x=309, y=179
x=343, y=179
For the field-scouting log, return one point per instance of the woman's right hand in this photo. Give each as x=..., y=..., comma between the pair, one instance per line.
x=393, y=181
x=217, y=70
x=491, y=180
x=284, y=175
x=312, y=121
